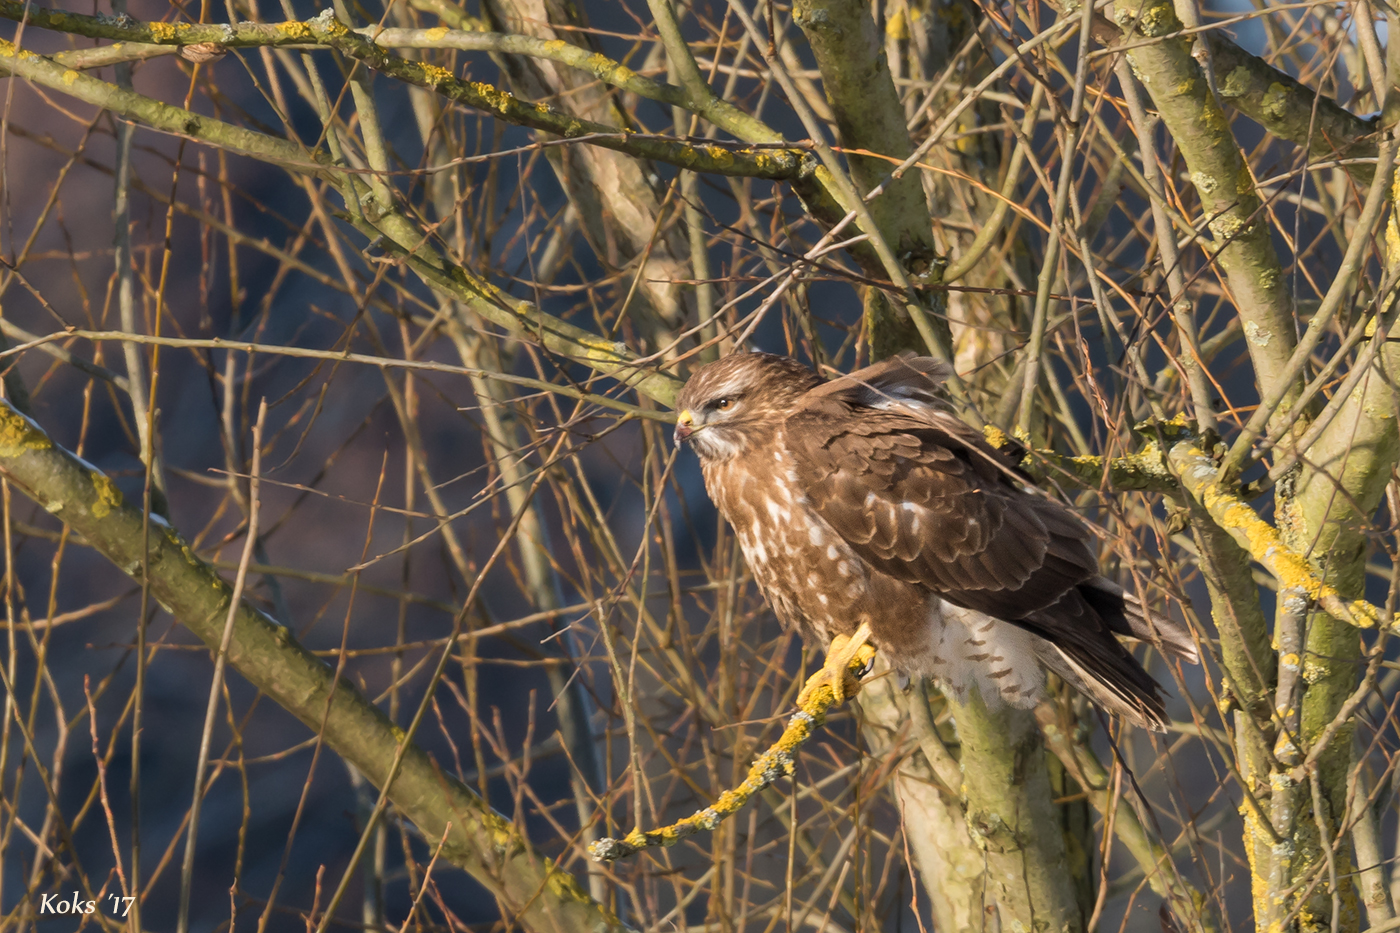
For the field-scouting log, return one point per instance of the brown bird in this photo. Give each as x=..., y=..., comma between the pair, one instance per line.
x=866, y=508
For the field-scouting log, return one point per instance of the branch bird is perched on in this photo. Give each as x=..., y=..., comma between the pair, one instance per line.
x=865, y=508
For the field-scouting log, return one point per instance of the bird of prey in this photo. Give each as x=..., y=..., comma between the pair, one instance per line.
x=867, y=509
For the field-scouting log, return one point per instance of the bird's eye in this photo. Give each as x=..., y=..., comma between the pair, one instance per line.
x=723, y=404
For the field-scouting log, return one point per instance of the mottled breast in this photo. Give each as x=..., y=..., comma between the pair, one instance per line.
x=808, y=573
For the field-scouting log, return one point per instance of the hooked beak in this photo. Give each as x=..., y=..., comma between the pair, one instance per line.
x=684, y=425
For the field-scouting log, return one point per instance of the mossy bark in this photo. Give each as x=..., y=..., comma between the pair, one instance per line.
x=1012, y=818
x=1337, y=493
x=1243, y=248
x=1251, y=671
x=1318, y=557
x=952, y=869
x=1242, y=244
x=1289, y=110
x=1275, y=100
x=870, y=118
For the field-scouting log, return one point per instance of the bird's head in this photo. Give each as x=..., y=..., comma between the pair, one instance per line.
x=729, y=405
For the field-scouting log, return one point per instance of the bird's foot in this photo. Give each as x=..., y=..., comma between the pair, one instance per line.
x=847, y=660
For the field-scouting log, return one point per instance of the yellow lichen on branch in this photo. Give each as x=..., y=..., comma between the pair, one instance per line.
x=1144, y=470
x=18, y=434
x=777, y=762
x=777, y=163
x=1199, y=476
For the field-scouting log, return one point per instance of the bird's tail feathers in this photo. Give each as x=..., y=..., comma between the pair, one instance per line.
x=1126, y=615
x=1117, y=685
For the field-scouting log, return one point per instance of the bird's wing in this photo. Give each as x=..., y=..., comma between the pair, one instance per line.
x=924, y=500
x=901, y=380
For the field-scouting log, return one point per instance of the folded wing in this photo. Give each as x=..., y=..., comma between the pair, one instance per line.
x=920, y=496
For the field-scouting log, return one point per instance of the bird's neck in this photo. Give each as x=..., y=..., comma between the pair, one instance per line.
x=727, y=478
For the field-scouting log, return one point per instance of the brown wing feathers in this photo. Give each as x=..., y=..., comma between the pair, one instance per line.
x=918, y=507
x=903, y=378
x=921, y=496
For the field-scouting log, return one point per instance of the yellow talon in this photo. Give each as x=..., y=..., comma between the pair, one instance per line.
x=846, y=657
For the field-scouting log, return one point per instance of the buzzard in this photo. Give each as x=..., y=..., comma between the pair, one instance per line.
x=866, y=509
